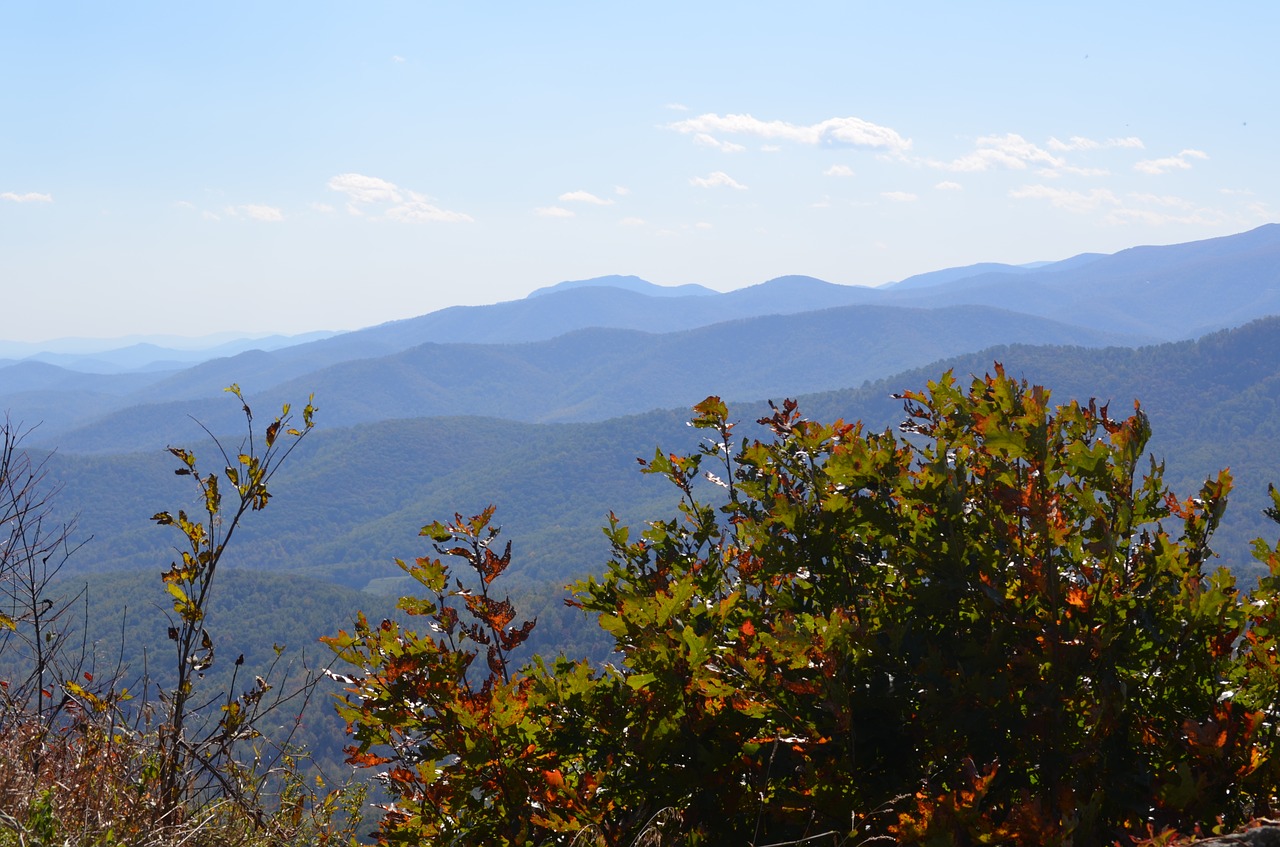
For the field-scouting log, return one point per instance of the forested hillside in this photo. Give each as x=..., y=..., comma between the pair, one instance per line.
x=356, y=497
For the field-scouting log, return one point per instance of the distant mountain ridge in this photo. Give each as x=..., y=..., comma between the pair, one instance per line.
x=627, y=283
x=599, y=365
x=153, y=353
x=593, y=374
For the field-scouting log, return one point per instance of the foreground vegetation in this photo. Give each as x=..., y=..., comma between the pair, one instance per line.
x=89, y=755
x=997, y=625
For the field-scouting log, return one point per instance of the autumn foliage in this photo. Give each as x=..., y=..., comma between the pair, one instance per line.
x=995, y=625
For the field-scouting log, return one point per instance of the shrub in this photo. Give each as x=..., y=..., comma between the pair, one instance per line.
x=997, y=625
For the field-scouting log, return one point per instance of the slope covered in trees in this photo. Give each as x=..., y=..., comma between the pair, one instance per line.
x=1213, y=403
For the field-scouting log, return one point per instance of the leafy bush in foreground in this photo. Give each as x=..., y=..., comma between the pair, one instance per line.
x=998, y=626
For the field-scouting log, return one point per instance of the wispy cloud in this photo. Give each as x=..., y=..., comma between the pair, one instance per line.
x=389, y=201
x=631, y=222
x=1063, y=198
x=948, y=185
x=1164, y=200
x=552, y=212
x=1080, y=143
x=621, y=190
x=399, y=60
x=1157, y=217
x=1073, y=170
x=1117, y=210
x=838, y=170
x=716, y=180
x=584, y=197
x=706, y=140
x=850, y=131
x=252, y=211
x=365, y=189
x=676, y=107
x=29, y=197
x=899, y=196
x=1010, y=151
x=258, y=212
x=1170, y=163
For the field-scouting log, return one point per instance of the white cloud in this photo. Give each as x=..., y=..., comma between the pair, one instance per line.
x=584, y=197
x=899, y=196
x=209, y=216
x=1054, y=173
x=419, y=209
x=398, y=59
x=402, y=205
x=1010, y=151
x=849, y=131
x=770, y=148
x=323, y=208
x=259, y=212
x=724, y=146
x=29, y=197
x=717, y=179
x=1079, y=143
x=185, y=204
x=702, y=225
x=838, y=170
x=1062, y=198
x=552, y=212
x=1149, y=209
x=621, y=191
x=1162, y=200
x=1236, y=192
x=631, y=222
x=365, y=189
x=1169, y=163
x=1153, y=217
x=676, y=107
x=948, y=185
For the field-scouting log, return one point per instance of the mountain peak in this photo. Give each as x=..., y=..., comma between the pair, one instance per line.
x=627, y=283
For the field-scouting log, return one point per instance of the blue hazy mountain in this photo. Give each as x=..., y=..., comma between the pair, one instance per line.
x=628, y=283
x=1136, y=296
x=592, y=374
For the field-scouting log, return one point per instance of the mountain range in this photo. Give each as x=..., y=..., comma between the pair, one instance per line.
x=592, y=349
x=549, y=427
x=541, y=407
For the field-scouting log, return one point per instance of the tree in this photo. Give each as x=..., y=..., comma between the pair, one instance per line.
x=37, y=650
x=465, y=761
x=186, y=759
x=995, y=625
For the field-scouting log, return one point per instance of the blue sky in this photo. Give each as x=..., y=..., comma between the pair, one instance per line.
x=193, y=168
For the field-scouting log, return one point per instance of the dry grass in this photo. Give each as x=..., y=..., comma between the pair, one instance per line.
x=80, y=785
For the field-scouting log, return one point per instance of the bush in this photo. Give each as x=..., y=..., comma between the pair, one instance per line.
x=996, y=626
